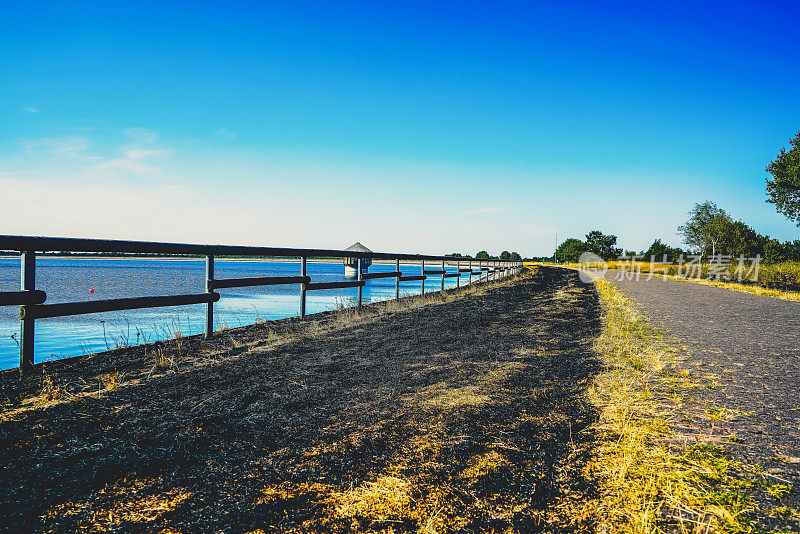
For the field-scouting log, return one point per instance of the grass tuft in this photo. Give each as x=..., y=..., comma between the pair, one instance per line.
x=51, y=392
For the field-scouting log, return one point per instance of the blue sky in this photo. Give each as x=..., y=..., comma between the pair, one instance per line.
x=409, y=126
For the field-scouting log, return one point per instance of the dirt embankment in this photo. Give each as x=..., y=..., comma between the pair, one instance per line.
x=455, y=414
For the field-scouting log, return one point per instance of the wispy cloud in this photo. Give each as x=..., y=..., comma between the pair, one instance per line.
x=88, y=155
x=67, y=146
x=222, y=132
x=141, y=153
x=135, y=160
x=141, y=136
x=31, y=110
x=486, y=210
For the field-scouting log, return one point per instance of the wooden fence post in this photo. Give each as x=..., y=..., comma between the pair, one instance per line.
x=303, y=288
x=422, y=272
x=359, y=287
x=26, y=330
x=209, y=289
x=397, y=280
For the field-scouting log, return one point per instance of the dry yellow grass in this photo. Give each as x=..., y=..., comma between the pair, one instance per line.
x=50, y=393
x=132, y=502
x=109, y=381
x=647, y=482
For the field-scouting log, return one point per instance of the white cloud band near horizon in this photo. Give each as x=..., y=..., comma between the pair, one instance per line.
x=487, y=210
x=137, y=186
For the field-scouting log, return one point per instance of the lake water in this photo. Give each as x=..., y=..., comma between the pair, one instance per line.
x=74, y=279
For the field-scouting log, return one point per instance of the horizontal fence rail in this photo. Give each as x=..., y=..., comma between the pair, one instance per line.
x=335, y=285
x=97, y=306
x=412, y=278
x=259, y=281
x=15, y=298
x=373, y=276
x=33, y=305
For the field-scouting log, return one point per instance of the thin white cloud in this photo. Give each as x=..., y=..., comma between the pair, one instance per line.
x=141, y=136
x=67, y=146
x=141, y=153
x=127, y=164
x=88, y=157
x=486, y=210
x=222, y=132
x=135, y=160
x=31, y=110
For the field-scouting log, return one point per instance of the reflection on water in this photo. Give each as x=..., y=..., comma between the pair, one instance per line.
x=71, y=280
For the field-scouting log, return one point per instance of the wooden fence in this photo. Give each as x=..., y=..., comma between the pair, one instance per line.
x=33, y=304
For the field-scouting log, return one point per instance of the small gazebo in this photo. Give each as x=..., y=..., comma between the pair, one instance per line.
x=351, y=264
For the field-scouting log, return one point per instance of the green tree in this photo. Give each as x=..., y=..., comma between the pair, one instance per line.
x=659, y=250
x=603, y=245
x=784, y=186
x=482, y=255
x=739, y=239
x=571, y=249
x=505, y=255
x=792, y=250
x=774, y=251
x=705, y=228
x=515, y=256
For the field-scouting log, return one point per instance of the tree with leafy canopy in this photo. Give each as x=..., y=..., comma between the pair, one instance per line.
x=505, y=255
x=706, y=227
x=739, y=239
x=603, y=245
x=774, y=251
x=784, y=186
x=515, y=256
x=659, y=250
x=482, y=255
x=571, y=249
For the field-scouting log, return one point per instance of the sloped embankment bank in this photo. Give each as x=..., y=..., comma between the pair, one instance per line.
x=436, y=415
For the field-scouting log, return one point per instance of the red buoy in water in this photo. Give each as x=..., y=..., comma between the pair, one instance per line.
x=91, y=291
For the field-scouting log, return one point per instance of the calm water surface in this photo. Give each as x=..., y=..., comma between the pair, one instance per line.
x=71, y=280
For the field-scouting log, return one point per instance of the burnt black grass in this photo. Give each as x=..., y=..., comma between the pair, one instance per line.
x=455, y=414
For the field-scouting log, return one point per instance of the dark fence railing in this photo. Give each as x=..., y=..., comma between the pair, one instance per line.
x=33, y=305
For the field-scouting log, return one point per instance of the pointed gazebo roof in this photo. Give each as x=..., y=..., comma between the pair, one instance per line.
x=357, y=247
x=353, y=262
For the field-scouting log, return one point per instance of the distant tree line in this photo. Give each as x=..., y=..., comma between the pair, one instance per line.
x=710, y=230
x=483, y=255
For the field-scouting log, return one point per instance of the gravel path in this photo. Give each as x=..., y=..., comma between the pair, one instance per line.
x=752, y=344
